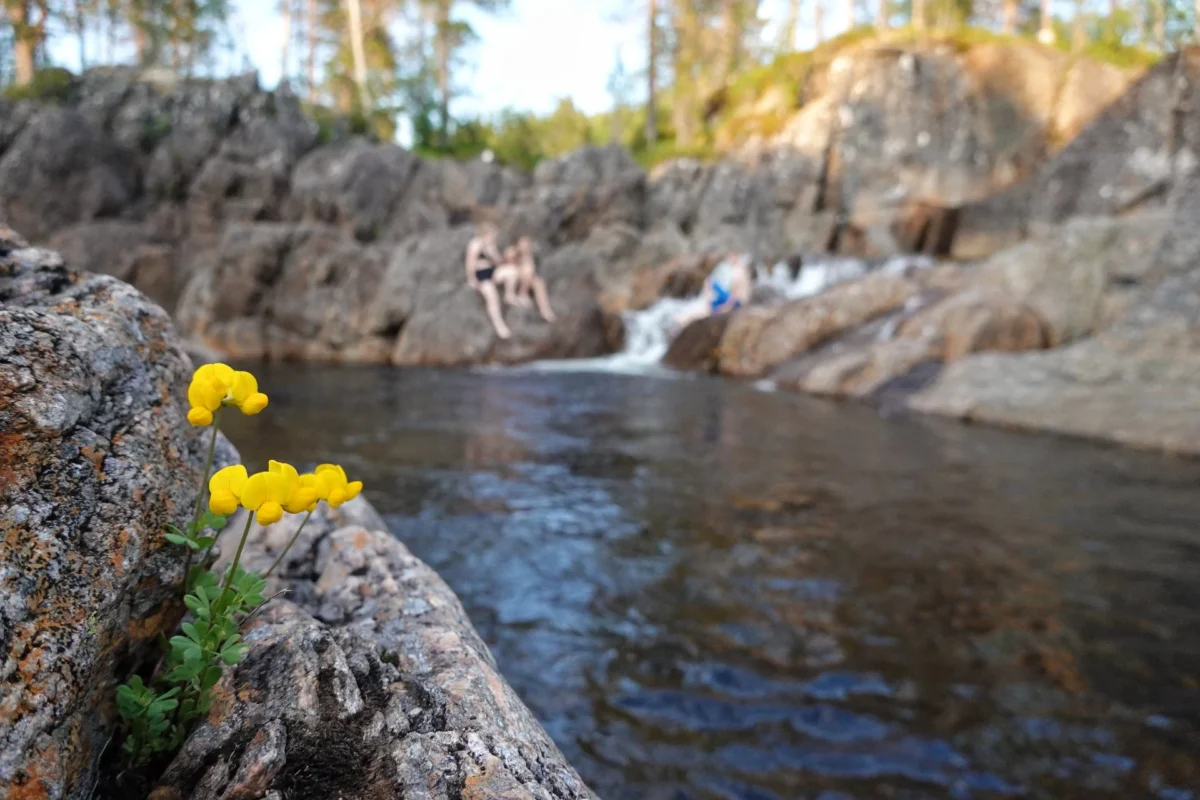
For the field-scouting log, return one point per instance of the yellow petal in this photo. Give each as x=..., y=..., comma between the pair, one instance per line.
x=230, y=479
x=269, y=513
x=253, y=404
x=289, y=478
x=242, y=387
x=334, y=469
x=337, y=497
x=223, y=502
x=303, y=499
x=200, y=417
x=257, y=490
x=222, y=374
x=352, y=489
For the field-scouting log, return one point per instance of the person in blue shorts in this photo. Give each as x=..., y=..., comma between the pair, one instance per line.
x=727, y=288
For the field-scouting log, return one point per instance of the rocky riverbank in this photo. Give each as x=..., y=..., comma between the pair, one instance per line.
x=269, y=235
x=366, y=680
x=1083, y=318
x=1066, y=265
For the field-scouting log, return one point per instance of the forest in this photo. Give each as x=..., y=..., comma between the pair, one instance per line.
x=381, y=62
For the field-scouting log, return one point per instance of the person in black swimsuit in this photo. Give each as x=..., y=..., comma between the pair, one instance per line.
x=483, y=258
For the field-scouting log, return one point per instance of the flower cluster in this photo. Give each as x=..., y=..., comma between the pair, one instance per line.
x=159, y=714
x=281, y=488
x=217, y=385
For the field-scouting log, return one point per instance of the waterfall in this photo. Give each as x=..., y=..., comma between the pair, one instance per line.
x=648, y=332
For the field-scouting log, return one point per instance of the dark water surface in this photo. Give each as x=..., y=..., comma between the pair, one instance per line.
x=706, y=591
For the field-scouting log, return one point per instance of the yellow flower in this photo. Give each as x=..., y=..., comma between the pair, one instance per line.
x=303, y=492
x=244, y=394
x=265, y=493
x=225, y=489
x=215, y=385
x=334, y=488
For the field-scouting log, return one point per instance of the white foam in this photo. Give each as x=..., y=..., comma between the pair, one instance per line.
x=648, y=332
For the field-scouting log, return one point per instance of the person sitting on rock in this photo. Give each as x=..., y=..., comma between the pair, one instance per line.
x=483, y=258
x=524, y=281
x=508, y=276
x=727, y=288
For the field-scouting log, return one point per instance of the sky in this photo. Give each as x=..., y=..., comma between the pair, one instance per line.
x=527, y=58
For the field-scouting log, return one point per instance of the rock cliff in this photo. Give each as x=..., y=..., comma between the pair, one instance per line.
x=270, y=236
x=1084, y=318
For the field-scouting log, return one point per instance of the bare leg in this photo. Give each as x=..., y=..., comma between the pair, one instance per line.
x=543, y=301
x=507, y=278
x=520, y=291
x=491, y=299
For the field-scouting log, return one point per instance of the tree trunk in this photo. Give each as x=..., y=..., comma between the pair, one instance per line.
x=918, y=14
x=819, y=19
x=787, y=39
x=1009, y=25
x=652, y=73
x=849, y=6
x=26, y=36
x=287, y=40
x=80, y=21
x=1196, y=21
x=1046, y=30
x=731, y=36
x=883, y=14
x=1078, y=32
x=1160, y=25
x=441, y=46
x=354, y=9
x=310, y=54
x=683, y=107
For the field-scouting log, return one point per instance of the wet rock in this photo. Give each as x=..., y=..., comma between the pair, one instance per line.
x=758, y=339
x=1136, y=381
x=696, y=347
x=974, y=321
x=96, y=458
x=370, y=682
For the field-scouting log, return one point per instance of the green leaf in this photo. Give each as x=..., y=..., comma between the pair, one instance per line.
x=210, y=520
x=187, y=709
x=162, y=705
x=185, y=672
x=232, y=655
x=204, y=542
x=212, y=676
x=175, y=538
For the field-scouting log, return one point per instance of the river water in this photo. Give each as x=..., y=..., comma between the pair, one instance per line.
x=707, y=591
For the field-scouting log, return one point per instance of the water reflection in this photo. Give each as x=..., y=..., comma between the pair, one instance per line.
x=704, y=591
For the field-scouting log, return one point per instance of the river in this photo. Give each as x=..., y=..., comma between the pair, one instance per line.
x=704, y=590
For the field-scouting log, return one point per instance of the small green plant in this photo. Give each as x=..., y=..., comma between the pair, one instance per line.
x=49, y=85
x=159, y=714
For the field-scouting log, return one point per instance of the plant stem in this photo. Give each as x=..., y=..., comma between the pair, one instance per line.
x=212, y=449
x=291, y=542
x=237, y=557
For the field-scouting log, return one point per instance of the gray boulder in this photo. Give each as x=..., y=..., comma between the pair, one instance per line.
x=97, y=459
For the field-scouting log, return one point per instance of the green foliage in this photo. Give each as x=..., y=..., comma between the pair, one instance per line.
x=158, y=716
x=49, y=85
x=190, y=534
x=148, y=718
